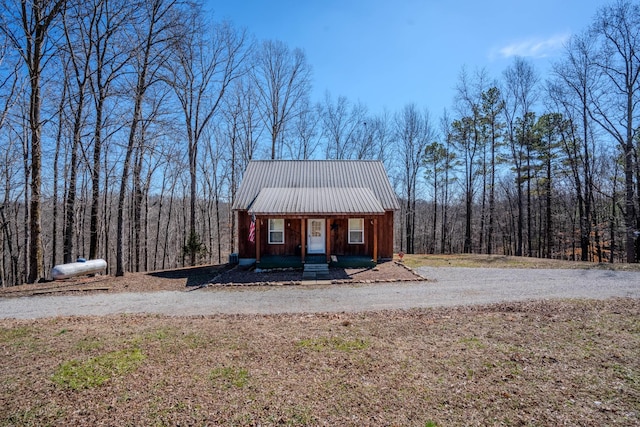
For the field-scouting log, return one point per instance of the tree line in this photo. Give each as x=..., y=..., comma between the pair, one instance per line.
x=126, y=127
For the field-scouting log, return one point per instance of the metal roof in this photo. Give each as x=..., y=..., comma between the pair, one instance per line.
x=321, y=175
x=316, y=201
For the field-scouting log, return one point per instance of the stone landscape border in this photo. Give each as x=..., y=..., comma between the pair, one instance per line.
x=211, y=283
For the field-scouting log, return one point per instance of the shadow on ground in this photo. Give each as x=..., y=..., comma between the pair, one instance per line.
x=240, y=275
x=228, y=274
x=195, y=276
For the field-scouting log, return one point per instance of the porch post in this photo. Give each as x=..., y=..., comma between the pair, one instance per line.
x=303, y=238
x=258, y=221
x=327, y=233
x=375, y=239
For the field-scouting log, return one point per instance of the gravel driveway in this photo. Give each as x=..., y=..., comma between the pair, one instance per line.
x=447, y=287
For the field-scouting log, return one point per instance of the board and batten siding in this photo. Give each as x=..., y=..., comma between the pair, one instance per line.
x=338, y=235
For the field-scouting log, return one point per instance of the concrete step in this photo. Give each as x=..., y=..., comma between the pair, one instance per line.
x=316, y=272
x=316, y=267
x=316, y=275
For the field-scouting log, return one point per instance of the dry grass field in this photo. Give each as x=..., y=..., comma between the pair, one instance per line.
x=537, y=363
x=502, y=261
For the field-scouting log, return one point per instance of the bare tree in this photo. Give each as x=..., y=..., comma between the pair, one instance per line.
x=146, y=161
x=380, y=133
x=468, y=148
x=372, y=139
x=549, y=131
x=448, y=166
x=213, y=172
x=151, y=55
x=342, y=126
x=78, y=30
x=109, y=59
x=240, y=130
x=8, y=90
x=203, y=66
x=283, y=79
x=492, y=106
x=11, y=250
x=614, y=102
x=435, y=155
x=519, y=92
x=304, y=139
x=413, y=131
x=569, y=92
x=471, y=140
x=28, y=26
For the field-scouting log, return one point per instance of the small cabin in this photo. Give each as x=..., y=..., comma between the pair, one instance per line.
x=315, y=207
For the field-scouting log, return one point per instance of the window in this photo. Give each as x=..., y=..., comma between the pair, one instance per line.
x=276, y=231
x=356, y=230
x=316, y=228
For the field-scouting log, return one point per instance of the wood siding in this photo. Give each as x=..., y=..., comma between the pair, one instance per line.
x=385, y=236
x=337, y=234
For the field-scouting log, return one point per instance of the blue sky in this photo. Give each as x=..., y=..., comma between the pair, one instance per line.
x=391, y=53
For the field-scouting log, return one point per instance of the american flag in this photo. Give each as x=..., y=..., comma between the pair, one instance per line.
x=252, y=229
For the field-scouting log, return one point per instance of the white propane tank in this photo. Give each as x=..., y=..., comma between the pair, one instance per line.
x=65, y=271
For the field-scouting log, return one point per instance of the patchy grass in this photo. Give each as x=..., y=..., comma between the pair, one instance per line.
x=229, y=377
x=14, y=335
x=78, y=375
x=535, y=363
x=502, y=261
x=333, y=343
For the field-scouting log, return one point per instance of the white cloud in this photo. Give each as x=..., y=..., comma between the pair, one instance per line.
x=533, y=47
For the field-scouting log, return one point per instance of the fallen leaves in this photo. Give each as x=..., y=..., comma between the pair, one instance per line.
x=537, y=362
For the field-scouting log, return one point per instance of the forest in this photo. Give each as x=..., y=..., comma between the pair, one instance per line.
x=126, y=126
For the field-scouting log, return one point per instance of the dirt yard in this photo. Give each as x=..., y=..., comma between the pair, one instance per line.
x=536, y=363
x=215, y=275
x=222, y=275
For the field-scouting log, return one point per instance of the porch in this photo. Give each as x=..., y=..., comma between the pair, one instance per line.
x=304, y=237
x=268, y=262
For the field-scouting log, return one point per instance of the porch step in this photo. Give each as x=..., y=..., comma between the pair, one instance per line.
x=316, y=272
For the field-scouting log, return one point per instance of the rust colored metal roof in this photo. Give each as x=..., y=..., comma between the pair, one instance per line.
x=305, y=186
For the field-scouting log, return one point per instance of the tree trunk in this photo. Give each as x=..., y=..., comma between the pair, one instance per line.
x=141, y=87
x=124, y=180
x=136, y=241
x=529, y=216
x=193, y=155
x=70, y=203
x=520, y=222
x=432, y=244
x=41, y=17
x=492, y=197
x=36, y=266
x=158, y=222
x=95, y=181
x=548, y=223
x=56, y=157
x=629, y=212
x=467, y=228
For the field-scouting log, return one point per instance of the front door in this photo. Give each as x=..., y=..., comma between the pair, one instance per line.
x=315, y=236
